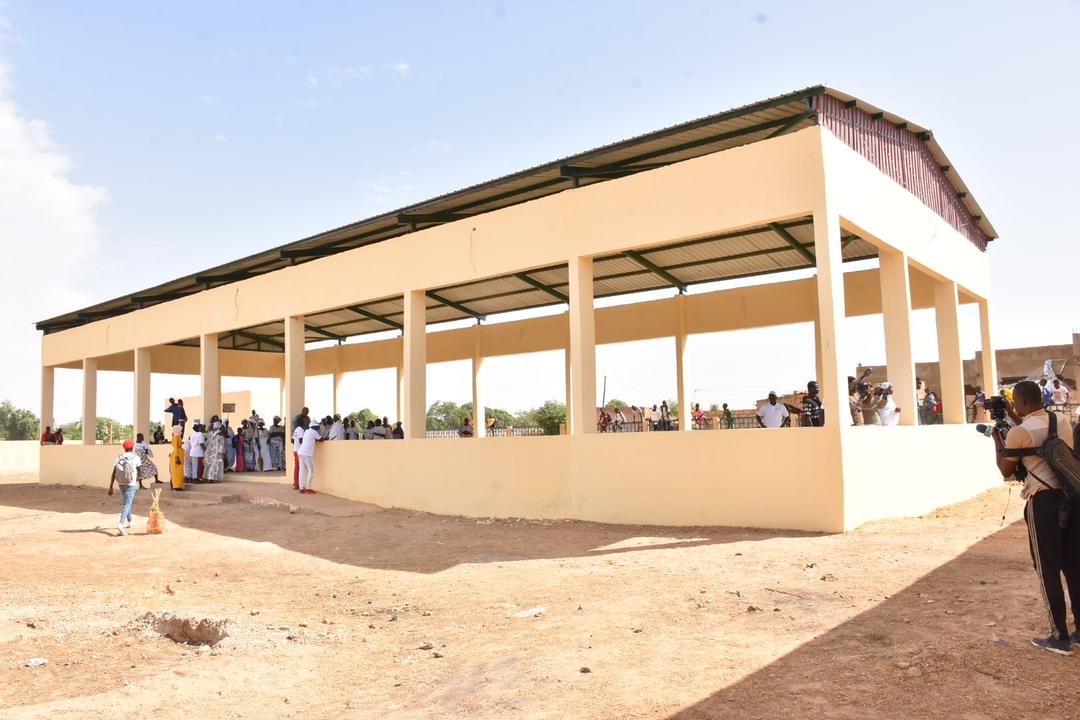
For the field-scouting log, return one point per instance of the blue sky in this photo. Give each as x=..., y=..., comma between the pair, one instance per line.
x=179, y=136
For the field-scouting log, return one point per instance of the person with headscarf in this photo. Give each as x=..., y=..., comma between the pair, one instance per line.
x=262, y=447
x=189, y=474
x=248, y=433
x=241, y=451
x=147, y=468
x=276, y=435
x=214, y=464
x=176, y=460
x=230, y=446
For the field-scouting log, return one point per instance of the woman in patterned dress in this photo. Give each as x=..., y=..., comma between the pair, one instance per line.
x=147, y=468
x=214, y=465
x=277, y=444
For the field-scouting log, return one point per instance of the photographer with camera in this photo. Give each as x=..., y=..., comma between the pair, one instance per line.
x=1053, y=521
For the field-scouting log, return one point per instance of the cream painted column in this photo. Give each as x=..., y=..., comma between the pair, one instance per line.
x=399, y=380
x=479, y=414
x=947, y=315
x=685, y=420
x=817, y=350
x=89, y=401
x=281, y=404
x=294, y=369
x=293, y=383
x=582, y=414
x=989, y=355
x=830, y=316
x=142, y=392
x=414, y=364
x=338, y=376
x=896, y=314
x=48, y=395
x=209, y=376
x=569, y=388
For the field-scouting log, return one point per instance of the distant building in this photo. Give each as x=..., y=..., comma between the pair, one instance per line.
x=1013, y=365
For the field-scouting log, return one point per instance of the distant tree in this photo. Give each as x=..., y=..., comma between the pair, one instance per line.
x=362, y=417
x=715, y=407
x=111, y=431
x=615, y=403
x=447, y=415
x=72, y=430
x=17, y=423
x=673, y=408
x=548, y=416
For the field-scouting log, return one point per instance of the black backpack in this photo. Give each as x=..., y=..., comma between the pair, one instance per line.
x=1063, y=460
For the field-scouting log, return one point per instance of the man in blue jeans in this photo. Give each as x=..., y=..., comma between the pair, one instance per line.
x=125, y=473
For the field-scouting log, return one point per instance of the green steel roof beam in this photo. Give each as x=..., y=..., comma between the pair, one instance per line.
x=782, y=232
x=655, y=269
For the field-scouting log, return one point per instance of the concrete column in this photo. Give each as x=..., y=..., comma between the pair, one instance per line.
x=896, y=313
x=830, y=317
x=209, y=377
x=142, y=392
x=338, y=376
x=400, y=384
x=569, y=389
x=947, y=315
x=293, y=382
x=414, y=364
x=48, y=395
x=294, y=368
x=582, y=347
x=479, y=415
x=281, y=405
x=89, y=401
x=685, y=421
x=817, y=350
x=989, y=356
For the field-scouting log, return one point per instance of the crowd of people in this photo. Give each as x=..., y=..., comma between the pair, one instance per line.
x=215, y=448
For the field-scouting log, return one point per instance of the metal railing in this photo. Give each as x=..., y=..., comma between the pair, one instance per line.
x=450, y=434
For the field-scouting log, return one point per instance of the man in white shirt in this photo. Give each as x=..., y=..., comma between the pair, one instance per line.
x=307, y=458
x=198, y=450
x=297, y=438
x=772, y=413
x=1053, y=523
x=337, y=429
x=1060, y=394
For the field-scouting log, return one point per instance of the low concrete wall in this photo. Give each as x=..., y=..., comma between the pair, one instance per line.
x=90, y=464
x=19, y=457
x=785, y=479
x=721, y=478
x=903, y=471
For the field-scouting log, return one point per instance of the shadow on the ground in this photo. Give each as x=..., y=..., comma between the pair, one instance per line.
x=954, y=644
x=387, y=539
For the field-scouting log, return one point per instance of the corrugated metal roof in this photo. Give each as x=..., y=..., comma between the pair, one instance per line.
x=740, y=126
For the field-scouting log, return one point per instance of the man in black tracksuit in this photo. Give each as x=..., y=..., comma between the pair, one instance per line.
x=1054, y=549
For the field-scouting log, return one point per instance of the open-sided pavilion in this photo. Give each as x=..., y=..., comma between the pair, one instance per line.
x=809, y=180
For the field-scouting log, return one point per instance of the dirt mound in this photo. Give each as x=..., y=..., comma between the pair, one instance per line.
x=186, y=630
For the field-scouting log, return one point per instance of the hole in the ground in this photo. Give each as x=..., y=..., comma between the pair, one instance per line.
x=188, y=631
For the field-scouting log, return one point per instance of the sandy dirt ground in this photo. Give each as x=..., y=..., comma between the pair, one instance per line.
x=345, y=610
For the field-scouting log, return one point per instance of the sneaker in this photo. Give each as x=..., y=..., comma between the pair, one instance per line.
x=1075, y=637
x=1061, y=647
x=128, y=526
x=120, y=527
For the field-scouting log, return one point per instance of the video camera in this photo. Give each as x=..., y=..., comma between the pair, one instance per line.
x=998, y=408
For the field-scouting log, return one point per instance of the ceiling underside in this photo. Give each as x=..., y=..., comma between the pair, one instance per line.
x=762, y=250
